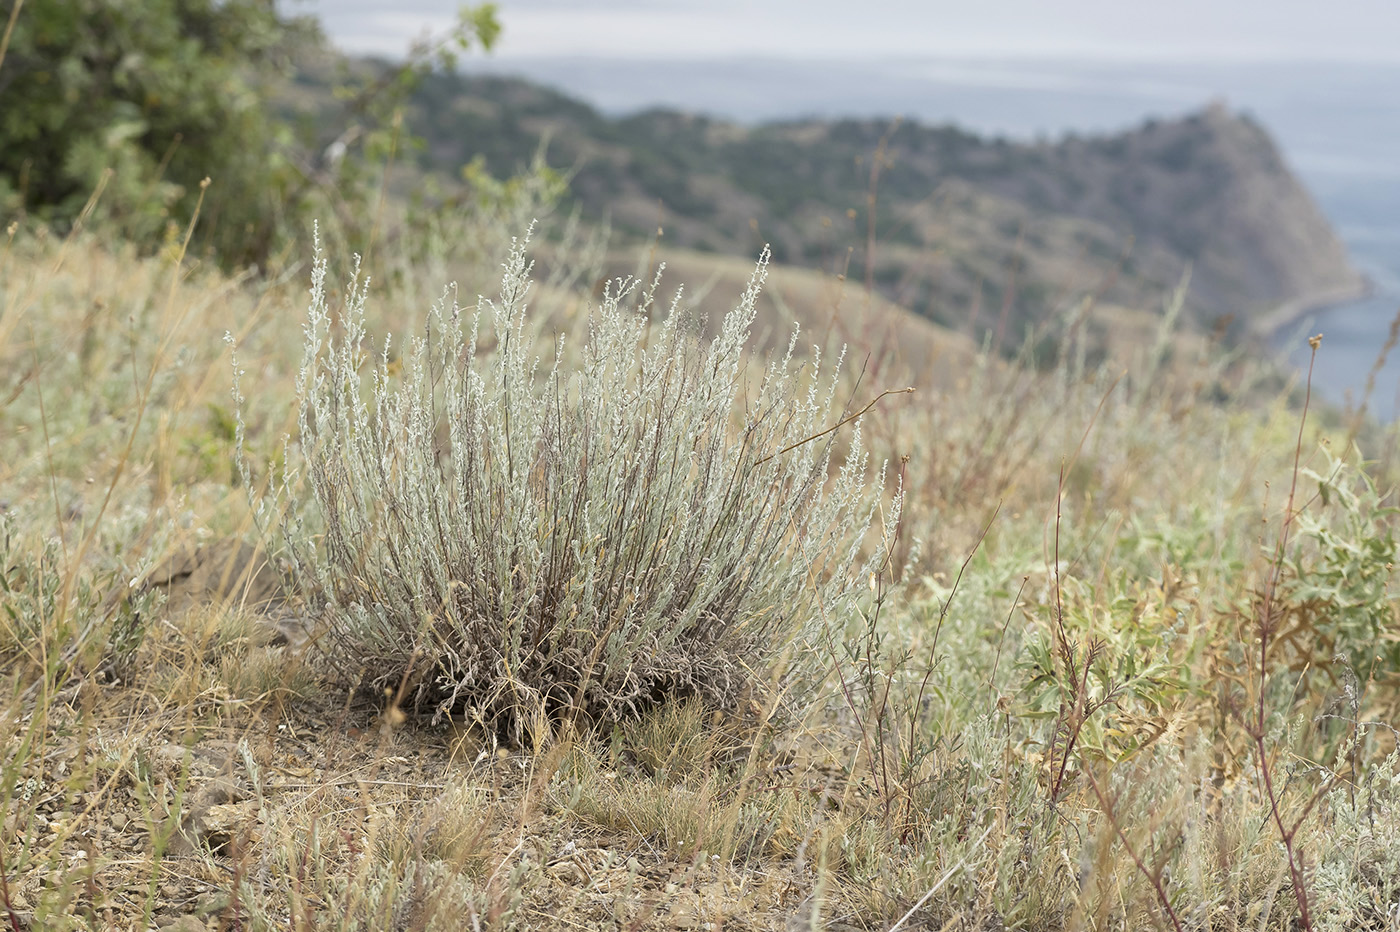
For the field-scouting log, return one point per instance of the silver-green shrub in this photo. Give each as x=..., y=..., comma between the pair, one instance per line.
x=505, y=537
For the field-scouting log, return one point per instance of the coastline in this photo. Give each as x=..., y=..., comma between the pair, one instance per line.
x=1289, y=313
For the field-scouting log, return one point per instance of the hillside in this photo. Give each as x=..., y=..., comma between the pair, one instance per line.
x=195, y=745
x=970, y=232
x=440, y=583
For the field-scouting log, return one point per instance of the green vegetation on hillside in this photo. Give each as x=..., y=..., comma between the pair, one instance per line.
x=956, y=219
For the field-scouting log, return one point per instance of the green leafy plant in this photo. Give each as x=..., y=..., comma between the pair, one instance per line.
x=1103, y=672
x=1340, y=583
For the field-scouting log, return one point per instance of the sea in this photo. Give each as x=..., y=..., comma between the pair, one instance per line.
x=1338, y=124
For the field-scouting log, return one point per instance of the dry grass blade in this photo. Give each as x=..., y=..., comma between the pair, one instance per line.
x=941, y=881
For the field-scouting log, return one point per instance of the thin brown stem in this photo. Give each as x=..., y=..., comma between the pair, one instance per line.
x=838, y=425
x=992, y=680
x=1153, y=877
x=9, y=30
x=5, y=893
x=1265, y=623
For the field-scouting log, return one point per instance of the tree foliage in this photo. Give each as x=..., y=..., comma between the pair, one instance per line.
x=162, y=93
x=141, y=101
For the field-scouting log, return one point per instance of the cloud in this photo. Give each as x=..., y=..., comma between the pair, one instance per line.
x=1219, y=30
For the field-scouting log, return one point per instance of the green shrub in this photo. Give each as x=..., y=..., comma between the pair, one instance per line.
x=1339, y=590
x=510, y=540
x=124, y=109
x=162, y=94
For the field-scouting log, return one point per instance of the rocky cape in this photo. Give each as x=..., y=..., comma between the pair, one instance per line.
x=982, y=235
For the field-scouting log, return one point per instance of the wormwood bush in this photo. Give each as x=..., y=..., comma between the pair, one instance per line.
x=508, y=538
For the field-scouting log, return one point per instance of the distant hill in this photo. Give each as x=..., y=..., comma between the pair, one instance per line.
x=973, y=233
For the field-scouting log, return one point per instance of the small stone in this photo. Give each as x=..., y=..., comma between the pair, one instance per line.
x=221, y=824
x=685, y=912
x=218, y=814
x=567, y=872
x=185, y=924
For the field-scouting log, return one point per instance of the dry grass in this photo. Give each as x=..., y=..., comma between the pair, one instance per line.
x=1045, y=715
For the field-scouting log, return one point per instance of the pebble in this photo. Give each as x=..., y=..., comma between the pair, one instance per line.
x=185, y=924
x=568, y=872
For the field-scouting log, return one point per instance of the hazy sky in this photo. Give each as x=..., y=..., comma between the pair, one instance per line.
x=1218, y=30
